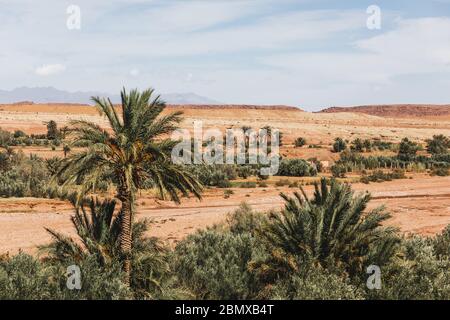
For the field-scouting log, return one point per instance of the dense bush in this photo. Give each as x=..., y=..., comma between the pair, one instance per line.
x=315, y=284
x=439, y=144
x=442, y=172
x=296, y=168
x=22, y=176
x=380, y=176
x=214, y=175
x=214, y=264
x=300, y=142
x=338, y=170
x=339, y=145
x=5, y=138
x=407, y=149
x=441, y=243
x=24, y=277
x=418, y=274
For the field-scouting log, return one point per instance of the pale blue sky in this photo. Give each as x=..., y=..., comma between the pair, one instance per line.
x=312, y=54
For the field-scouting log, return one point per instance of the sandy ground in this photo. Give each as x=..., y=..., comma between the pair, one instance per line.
x=420, y=205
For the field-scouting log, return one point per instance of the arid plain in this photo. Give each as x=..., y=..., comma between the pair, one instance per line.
x=419, y=204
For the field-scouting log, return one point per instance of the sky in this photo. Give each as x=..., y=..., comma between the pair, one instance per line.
x=308, y=53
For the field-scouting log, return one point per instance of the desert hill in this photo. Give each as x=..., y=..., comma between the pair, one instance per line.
x=396, y=111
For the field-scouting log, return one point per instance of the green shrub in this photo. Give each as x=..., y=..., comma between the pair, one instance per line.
x=407, y=150
x=245, y=220
x=441, y=172
x=339, y=145
x=417, y=274
x=227, y=193
x=245, y=171
x=439, y=144
x=300, y=142
x=316, y=284
x=214, y=175
x=213, y=265
x=247, y=184
x=26, y=278
x=282, y=182
x=296, y=168
x=5, y=138
x=380, y=176
x=441, y=243
x=11, y=184
x=338, y=171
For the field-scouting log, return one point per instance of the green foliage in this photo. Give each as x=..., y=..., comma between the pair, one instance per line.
x=213, y=264
x=338, y=170
x=407, y=149
x=52, y=130
x=98, y=231
x=19, y=134
x=227, y=193
x=382, y=145
x=332, y=228
x=315, y=284
x=441, y=172
x=357, y=145
x=339, y=145
x=247, y=184
x=296, y=168
x=418, y=273
x=214, y=175
x=282, y=183
x=245, y=171
x=300, y=142
x=21, y=176
x=439, y=144
x=441, y=243
x=5, y=138
x=380, y=176
x=26, y=278
x=245, y=220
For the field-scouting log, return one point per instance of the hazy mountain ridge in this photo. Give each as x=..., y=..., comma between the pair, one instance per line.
x=53, y=95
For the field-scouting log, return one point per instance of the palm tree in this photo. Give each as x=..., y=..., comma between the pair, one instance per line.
x=133, y=153
x=98, y=230
x=332, y=229
x=66, y=150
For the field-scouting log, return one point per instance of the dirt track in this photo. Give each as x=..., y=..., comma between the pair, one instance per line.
x=419, y=206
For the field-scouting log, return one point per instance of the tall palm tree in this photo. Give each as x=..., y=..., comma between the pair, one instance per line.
x=98, y=234
x=333, y=228
x=134, y=152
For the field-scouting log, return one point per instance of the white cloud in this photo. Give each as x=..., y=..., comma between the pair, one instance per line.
x=415, y=46
x=134, y=72
x=50, y=69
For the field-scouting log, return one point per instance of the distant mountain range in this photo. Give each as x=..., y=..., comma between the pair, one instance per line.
x=50, y=94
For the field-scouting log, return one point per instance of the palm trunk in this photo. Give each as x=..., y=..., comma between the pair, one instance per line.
x=126, y=197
